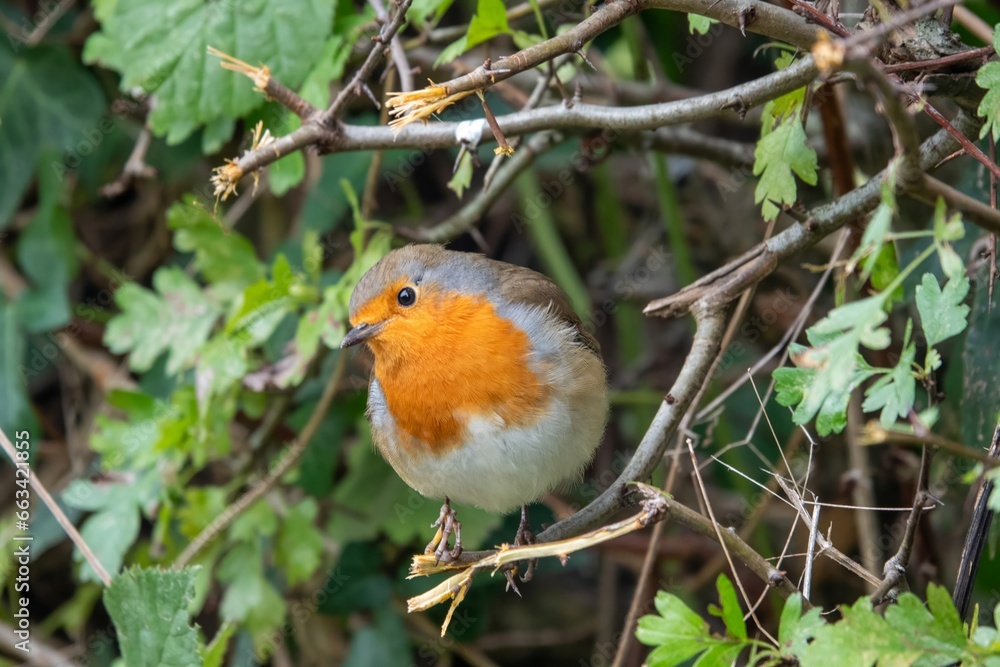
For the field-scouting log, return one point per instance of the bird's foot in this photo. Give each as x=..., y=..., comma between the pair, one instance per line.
x=447, y=524
x=522, y=537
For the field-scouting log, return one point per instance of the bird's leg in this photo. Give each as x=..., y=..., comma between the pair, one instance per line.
x=446, y=524
x=522, y=537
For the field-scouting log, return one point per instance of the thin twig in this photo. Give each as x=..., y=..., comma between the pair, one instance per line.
x=725, y=550
x=895, y=568
x=396, y=49
x=60, y=516
x=353, y=87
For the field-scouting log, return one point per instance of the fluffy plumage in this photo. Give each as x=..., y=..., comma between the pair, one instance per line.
x=486, y=389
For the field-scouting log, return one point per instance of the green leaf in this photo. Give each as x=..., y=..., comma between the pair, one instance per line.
x=896, y=391
x=942, y=313
x=47, y=101
x=15, y=407
x=150, y=610
x=797, y=630
x=300, y=547
x=489, y=21
x=988, y=78
x=873, y=240
x=700, y=24
x=219, y=254
x=731, y=612
x=462, y=178
x=421, y=10
x=947, y=229
x=828, y=372
x=862, y=637
x=677, y=631
x=264, y=304
x=213, y=654
x=176, y=318
x=780, y=155
x=162, y=46
x=46, y=252
x=114, y=526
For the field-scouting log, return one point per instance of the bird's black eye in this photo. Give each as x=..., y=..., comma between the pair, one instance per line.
x=406, y=296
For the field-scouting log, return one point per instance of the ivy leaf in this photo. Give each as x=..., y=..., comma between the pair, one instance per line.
x=988, y=78
x=219, y=254
x=162, y=47
x=150, y=610
x=46, y=252
x=700, y=24
x=489, y=21
x=176, y=318
x=896, y=391
x=15, y=406
x=47, y=101
x=780, y=155
x=942, y=313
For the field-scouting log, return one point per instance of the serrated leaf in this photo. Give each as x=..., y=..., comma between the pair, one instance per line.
x=797, y=630
x=781, y=155
x=942, y=313
x=988, y=78
x=162, y=46
x=150, y=611
x=677, y=631
x=219, y=254
x=47, y=101
x=176, y=318
x=895, y=392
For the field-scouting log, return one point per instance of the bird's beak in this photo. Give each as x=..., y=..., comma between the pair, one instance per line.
x=361, y=333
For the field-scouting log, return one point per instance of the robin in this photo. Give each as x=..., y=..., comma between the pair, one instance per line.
x=486, y=388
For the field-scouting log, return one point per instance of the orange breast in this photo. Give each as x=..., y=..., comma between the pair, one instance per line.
x=451, y=358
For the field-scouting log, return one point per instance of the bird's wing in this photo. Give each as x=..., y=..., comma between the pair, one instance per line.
x=519, y=284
